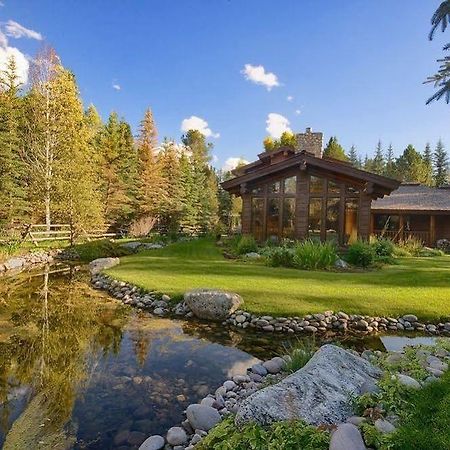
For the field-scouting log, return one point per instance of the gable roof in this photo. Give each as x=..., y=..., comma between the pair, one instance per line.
x=270, y=163
x=415, y=197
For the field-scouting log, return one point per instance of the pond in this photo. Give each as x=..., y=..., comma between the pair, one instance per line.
x=80, y=370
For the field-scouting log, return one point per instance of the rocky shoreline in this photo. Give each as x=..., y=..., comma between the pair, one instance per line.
x=18, y=263
x=319, y=323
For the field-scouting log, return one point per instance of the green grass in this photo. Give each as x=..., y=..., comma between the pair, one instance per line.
x=414, y=285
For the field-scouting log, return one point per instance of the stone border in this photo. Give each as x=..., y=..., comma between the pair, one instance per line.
x=18, y=263
x=318, y=323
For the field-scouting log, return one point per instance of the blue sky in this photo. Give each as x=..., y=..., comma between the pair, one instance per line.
x=353, y=68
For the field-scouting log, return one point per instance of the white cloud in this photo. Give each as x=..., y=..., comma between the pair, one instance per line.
x=197, y=123
x=17, y=31
x=232, y=163
x=289, y=98
x=2, y=4
x=277, y=125
x=22, y=62
x=3, y=40
x=258, y=75
x=116, y=86
x=298, y=112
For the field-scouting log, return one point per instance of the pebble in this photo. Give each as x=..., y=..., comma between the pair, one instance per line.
x=176, y=436
x=259, y=369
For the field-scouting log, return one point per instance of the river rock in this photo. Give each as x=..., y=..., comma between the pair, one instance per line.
x=176, y=436
x=202, y=417
x=14, y=263
x=155, y=442
x=318, y=393
x=408, y=381
x=100, y=264
x=383, y=426
x=274, y=365
x=212, y=304
x=347, y=437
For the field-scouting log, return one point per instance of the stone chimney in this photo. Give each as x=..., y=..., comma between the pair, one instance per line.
x=310, y=142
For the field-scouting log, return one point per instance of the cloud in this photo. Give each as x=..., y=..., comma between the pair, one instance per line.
x=116, y=86
x=2, y=4
x=215, y=158
x=277, y=125
x=17, y=31
x=298, y=112
x=289, y=98
x=3, y=40
x=232, y=163
x=197, y=123
x=258, y=75
x=22, y=62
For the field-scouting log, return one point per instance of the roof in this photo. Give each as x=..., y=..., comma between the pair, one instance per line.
x=415, y=197
x=270, y=163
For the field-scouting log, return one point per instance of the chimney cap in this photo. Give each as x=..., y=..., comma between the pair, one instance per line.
x=308, y=129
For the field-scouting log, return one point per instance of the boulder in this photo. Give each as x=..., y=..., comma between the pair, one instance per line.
x=100, y=264
x=408, y=381
x=155, y=442
x=212, y=304
x=131, y=245
x=202, y=417
x=341, y=264
x=347, y=437
x=318, y=393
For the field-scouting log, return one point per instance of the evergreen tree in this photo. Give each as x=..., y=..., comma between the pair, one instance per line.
x=428, y=161
x=353, y=157
x=378, y=165
x=13, y=202
x=334, y=150
x=411, y=166
x=441, y=173
x=368, y=164
x=390, y=169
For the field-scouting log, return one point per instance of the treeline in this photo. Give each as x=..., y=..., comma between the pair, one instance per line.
x=61, y=164
x=430, y=167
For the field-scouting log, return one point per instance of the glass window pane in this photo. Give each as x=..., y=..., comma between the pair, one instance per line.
x=274, y=188
x=258, y=218
x=315, y=218
x=333, y=188
x=289, y=218
x=273, y=218
x=352, y=191
x=351, y=221
x=290, y=185
x=332, y=223
x=258, y=190
x=316, y=185
x=384, y=222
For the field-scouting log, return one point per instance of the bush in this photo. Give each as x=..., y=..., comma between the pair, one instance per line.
x=360, y=254
x=430, y=252
x=312, y=255
x=411, y=245
x=383, y=247
x=280, y=257
x=141, y=227
x=246, y=244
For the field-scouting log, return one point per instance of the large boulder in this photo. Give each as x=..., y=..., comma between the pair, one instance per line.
x=212, y=304
x=319, y=393
x=100, y=264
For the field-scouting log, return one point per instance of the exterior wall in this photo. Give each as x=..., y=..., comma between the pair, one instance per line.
x=246, y=213
x=364, y=216
x=310, y=142
x=442, y=227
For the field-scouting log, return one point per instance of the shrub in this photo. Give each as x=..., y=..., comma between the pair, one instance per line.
x=299, y=354
x=411, y=245
x=246, y=244
x=430, y=252
x=312, y=255
x=383, y=247
x=280, y=257
x=360, y=254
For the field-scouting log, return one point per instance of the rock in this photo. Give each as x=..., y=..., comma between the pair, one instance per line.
x=383, y=426
x=274, y=365
x=394, y=358
x=362, y=325
x=410, y=318
x=212, y=304
x=15, y=263
x=131, y=245
x=259, y=369
x=408, y=381
x=136, y=438
x=370, y=387
x=229, y=385
x=347, y=437
x=252, y=255
x=150, y=246
x=100, y=264
x=154, y=442
x=241, y=318
x=165, y=298
x=176, y=436
x=341, y=264
x=159, y=312
x=121, y=437
x=202, y=417
x=356, y=420
x=318, y=393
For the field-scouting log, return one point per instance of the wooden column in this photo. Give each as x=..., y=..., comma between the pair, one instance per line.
x=432, y=235
x=302, y=205
x=365, y=204
x=246, y=210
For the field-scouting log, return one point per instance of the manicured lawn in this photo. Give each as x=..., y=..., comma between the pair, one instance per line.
x=415, y=285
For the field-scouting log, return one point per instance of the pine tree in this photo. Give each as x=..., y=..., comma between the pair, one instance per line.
x=353, y=157
x=13, y=202
x=441, y=172
x=411, y=166
x=390, y=169
x=428, y=161
x=378, y=165
x=334, y=150
x=368, y=164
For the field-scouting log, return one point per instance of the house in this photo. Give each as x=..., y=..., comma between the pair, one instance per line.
x=413, y=210
x=297, y=193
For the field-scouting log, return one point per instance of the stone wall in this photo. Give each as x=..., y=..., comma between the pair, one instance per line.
x=310, y=142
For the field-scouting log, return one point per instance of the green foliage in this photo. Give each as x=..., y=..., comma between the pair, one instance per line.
x=360, y=254
x=409, y=364
x=312, y=255
x=246, y=244
x=287, y=139
x=282, y=256
x=441, y=164
x=293, y=435
x=374, y=439
x=383, y=247
x=103, y=248
x=411, y=166
x=427, y=252
x=379, y=164
x=299, y=352
x=335, y=150
x=409, y=247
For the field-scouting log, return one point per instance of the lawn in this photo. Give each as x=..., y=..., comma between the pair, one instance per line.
x=414, y=285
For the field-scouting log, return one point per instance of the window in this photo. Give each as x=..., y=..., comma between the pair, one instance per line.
x=258, y=190
x=258, y=218
x=351, y=221
x=333, y=188
x=332, y=219
x=274, y=188
x=273, y=218
x=352, y=191
x=289, y=218
x=316, y=185
x=315, y=218
x=290, y=185
x=383, y=222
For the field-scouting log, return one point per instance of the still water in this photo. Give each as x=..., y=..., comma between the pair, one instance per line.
x=80, y=370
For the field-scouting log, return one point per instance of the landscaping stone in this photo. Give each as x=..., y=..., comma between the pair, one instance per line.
x=202, y=417
x=317, y=393
x=410, y=318
x=383, y=426
x=176, y=436
x=259, y=369
x=347, y=437
x=408, y=381
x=14, y=263
x=252, y=255
x=100, y=264
x=212, y=304
x=341, y=264
x=154, y=442
x=274, y=365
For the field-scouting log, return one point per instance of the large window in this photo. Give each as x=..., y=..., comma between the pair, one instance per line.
x=289, y=218
x=315, y=218
x=290, y=185
x=258, y=218
x=273, y=218
x=332, y=220
x=351, y=220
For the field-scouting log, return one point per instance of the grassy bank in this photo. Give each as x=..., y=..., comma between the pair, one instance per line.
x=415, y=285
